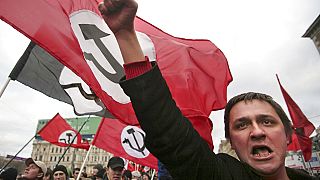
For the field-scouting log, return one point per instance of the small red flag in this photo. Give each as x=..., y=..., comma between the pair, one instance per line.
x=303, y=128
x=124, y=141
x=57, y=131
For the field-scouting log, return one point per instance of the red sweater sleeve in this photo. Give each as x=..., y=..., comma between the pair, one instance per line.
x=137, y=68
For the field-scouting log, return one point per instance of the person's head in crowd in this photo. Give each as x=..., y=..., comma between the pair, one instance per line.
x=96, y=169
x=76, y=173
x=100, y=174
x=136, y=175
x=84, y=174
x=60, y=172
x=126, y=175
x=114, y=168
x=48, y=175
x=257, y=128
x=145, y=176
x=9, y=174
x=34, y=169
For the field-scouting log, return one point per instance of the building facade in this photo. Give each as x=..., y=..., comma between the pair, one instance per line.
x=313, y=32
x=225, y=147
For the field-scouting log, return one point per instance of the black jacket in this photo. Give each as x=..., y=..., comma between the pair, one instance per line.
x=172, y=139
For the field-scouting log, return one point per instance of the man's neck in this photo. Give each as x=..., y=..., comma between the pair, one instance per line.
x=280, y=175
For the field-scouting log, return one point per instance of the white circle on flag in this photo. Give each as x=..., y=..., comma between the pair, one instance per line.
x=132, y=141
x=67, y=137
x=104, y=48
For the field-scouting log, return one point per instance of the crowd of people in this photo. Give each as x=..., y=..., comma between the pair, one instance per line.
x=37, y=170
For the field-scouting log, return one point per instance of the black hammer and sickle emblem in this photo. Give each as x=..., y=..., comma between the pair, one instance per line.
x=91, y=31
x=67, y=141
x=137, y=148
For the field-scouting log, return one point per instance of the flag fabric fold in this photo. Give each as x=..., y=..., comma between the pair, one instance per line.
x=57, y=131
x=303, y=128
x=124, y=141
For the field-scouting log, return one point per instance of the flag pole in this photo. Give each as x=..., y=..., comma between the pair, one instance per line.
x=84, y=162
x=311, y=171
x=153, y=173
x=300, y=154
x=65, y=151
x=5, y=86
x=19, y=66
x=16, y=154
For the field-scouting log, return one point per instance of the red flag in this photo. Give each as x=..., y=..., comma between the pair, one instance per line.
x=303, y=128
x=294, y=145
x=131, y=166
x=305, y=147
x=124, y=141
x=57, y=131
x=196, y=71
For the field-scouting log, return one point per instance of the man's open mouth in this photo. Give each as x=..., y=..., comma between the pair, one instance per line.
x=261, y=151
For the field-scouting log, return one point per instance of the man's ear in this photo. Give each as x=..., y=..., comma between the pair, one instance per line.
x=40, y=175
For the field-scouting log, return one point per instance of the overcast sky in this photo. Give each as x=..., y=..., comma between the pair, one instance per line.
x=259, y=38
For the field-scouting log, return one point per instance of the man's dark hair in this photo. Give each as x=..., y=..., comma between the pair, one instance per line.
x=75, y=169
x=98, y=166
x=256, y=96
x=127, y=174
x=49, y=173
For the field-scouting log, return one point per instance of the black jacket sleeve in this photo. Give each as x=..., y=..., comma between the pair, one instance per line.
x=169, y=135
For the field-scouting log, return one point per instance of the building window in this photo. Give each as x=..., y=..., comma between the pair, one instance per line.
x=44, y=149
x=51, y=158
x=55, y=158
x=40, y=158
x=56, y=149
x=52, y=150
x=68, y=158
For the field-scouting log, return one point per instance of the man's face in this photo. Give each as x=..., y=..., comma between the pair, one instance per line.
x=115, y=173
x=76, y=174
x=95, y=171
x=145, y=177
x=258, y=136
x=59, y=175
x=46, y=177
x=32, y=172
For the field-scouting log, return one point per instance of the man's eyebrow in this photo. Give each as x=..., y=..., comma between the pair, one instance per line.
x=241, y=119
x=264, y=116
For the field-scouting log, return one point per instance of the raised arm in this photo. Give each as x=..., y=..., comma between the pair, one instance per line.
x=119, y=15
x=169, y=135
